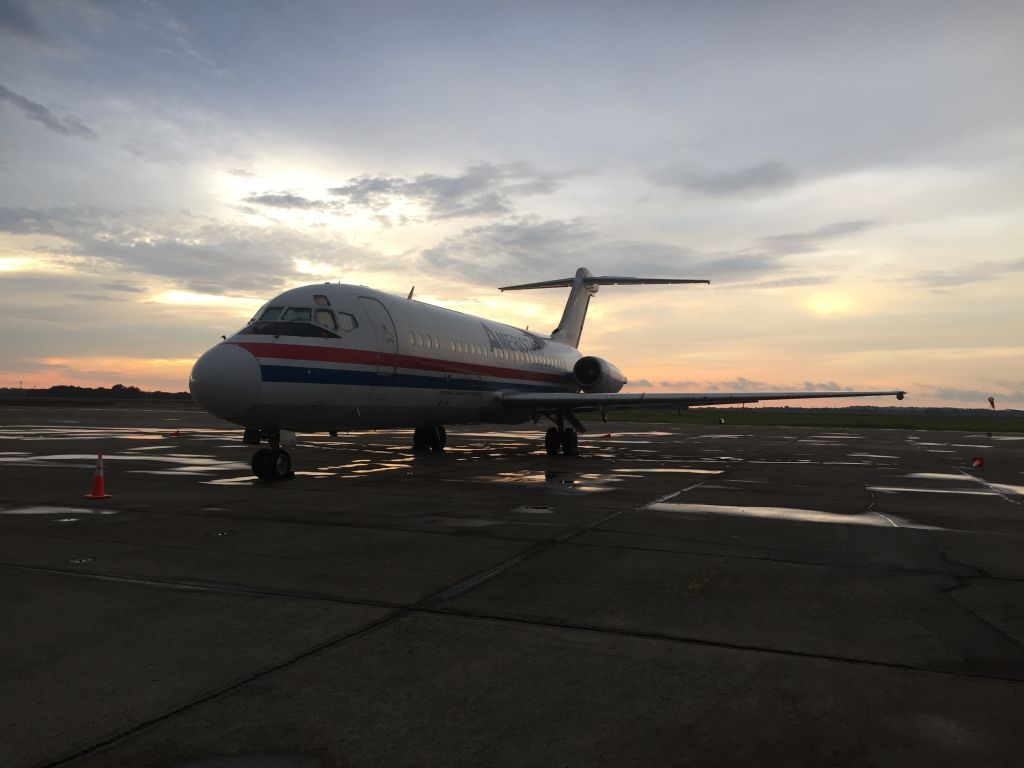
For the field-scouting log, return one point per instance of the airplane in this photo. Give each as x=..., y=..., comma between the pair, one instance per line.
x=334, y=357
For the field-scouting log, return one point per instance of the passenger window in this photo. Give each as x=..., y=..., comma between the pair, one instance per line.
x=271, y=313
x=321, y=301
x=347, y=322
x=297, y=315
x=412, y=338
x=325, y=318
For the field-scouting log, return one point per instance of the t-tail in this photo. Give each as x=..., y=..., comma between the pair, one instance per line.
x=584, y=285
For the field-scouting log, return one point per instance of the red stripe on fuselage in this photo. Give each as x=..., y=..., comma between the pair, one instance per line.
x=366, y=357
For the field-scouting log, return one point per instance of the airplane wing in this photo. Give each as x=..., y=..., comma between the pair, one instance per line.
x=573, y=402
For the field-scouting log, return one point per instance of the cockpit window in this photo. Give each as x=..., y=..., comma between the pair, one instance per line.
x=347, y=322
x=297, y=315
x=321, y=301
x=325, y=318
x=271, y=313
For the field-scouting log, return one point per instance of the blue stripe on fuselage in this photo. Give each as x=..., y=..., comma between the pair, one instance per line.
x=298, y=374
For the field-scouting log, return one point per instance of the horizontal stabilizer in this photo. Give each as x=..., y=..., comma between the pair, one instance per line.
x=567, y=282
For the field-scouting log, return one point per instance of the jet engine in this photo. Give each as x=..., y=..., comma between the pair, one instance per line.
x=596, y=375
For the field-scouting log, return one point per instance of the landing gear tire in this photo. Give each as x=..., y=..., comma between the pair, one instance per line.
x=436, y=438
x=569, y=442
x=272, y=464
x=552, y=441
x=280, y=464
x=429, y=438
x=262, y=464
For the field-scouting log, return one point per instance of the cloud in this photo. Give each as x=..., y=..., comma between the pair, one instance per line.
x=826, y=386
x=484, y=189
x=757, y=179
x=17, y=20
x=493, y=254
x=792, y=282
x=287, y=200
x=510, y=249
x=204, y=256
x=66, y=126
x=743, y=384
x=969, y=273
x=639, y=383
x=1004, y=392
x=814, y=239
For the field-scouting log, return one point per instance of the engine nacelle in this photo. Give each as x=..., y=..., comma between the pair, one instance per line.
x=596, y=375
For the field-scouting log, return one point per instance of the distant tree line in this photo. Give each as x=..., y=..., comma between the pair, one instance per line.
x=117, y=392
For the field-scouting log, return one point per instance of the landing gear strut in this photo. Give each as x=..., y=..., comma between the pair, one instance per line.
x=561, y=437
x=273, y=463
x=429, y=438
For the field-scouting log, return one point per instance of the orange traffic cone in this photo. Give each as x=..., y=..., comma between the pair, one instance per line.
x=98, y=491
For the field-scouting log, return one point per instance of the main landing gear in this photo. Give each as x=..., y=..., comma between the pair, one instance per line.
x=273, y=463
x=429, y=439
x=561, y=438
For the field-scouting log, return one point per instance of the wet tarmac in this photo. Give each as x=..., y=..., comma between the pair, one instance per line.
x=677, y=595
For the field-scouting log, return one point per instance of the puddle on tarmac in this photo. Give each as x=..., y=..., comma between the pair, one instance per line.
x=774, y=513
x=872, y=456
x=874, y=519
x=476, y=522
x=679, y=470
x=534, y=509
x=936, y=476
x=837, y=436
x=1017, y=489
x=66, y=511
x=955, y=491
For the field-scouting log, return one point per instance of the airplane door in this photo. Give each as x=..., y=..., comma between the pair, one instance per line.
x=384, y=331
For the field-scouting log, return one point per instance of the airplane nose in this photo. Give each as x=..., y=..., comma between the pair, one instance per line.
x=226, y=381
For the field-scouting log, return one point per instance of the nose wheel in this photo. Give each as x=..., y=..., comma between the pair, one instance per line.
x=272, y=464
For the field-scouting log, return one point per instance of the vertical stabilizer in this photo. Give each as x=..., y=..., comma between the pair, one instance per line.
x=584, y=285
x=570, y=327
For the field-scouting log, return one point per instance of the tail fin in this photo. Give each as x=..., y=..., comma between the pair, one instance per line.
x=584, y=285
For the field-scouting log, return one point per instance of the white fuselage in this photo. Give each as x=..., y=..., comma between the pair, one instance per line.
x=387, y=361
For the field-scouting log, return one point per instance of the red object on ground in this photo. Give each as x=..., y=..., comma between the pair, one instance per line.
x=98, y=491
x=977, y=461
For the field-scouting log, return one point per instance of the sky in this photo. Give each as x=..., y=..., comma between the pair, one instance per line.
x=849, y=176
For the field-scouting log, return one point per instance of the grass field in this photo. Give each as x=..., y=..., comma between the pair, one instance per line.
x=901, y=419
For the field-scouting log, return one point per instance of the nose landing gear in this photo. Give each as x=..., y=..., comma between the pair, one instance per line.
x=273, y=463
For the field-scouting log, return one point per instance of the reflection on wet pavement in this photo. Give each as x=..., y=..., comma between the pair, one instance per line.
x=781, y=513
x=45, y=510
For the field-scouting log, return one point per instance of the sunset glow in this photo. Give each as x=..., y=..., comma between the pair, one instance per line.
x=858, y=230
